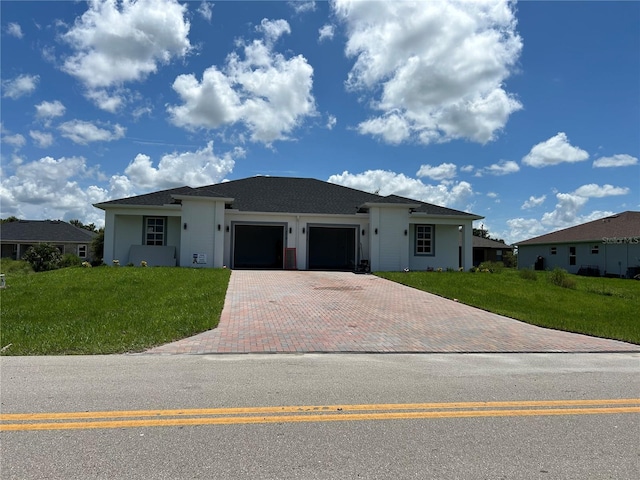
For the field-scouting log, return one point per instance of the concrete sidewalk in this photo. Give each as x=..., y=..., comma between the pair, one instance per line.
x=300, y=311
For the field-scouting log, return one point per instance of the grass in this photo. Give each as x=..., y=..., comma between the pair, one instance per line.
x=600, y=307
x=106, y=309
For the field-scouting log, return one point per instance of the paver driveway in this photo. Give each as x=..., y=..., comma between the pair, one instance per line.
x=291, y=311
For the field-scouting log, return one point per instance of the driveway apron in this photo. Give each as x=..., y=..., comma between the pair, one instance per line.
x=304, y=312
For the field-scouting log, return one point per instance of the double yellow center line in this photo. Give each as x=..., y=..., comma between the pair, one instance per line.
x=321, y=413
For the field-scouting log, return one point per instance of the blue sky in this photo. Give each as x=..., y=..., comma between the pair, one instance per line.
x=526, y=113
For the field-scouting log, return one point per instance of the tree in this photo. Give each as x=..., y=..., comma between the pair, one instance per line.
x=9, y=219
x=43, y=257
x=77, y=223
x=97, y=245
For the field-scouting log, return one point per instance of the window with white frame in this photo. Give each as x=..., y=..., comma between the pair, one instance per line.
x=82, y=251
x=155, y=230
x=595, y=249
x=424, y=240
x=553, y=250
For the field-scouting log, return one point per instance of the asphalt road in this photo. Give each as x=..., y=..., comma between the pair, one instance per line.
x=491, y=416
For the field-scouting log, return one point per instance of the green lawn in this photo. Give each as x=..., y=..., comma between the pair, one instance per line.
x=601, y=307
x=107, y=309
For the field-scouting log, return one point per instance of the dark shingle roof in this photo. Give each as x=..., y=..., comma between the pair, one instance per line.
x=44, y=231
x=625, y=224
x=480, y=242
x=284, y=195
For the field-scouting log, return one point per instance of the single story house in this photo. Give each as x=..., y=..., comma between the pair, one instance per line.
x=16, y=237
x=609, y=246
x=284, y=223
x=489, y=250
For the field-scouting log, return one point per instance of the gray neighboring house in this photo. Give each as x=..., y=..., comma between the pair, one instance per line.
x=488, y=250
x=285, y=223
x=17, y=237
x=609, y=246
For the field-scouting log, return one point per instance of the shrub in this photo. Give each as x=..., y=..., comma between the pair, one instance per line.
x=491, y=267
x=561, y=278
x=70, y=260
x=43, y=257
x=527, y=274
x=8, y=265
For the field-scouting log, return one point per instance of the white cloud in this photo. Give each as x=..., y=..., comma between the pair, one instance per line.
x=109, y=102
x=16, y=140
x=621, y=160
x=266, y=92
x=533, y=202
x=41, y=139
x=47, y=110
x=554, y=151
x=567, y=212
x=118, y=42
x=195, y=169
x=467, y=168
x=331, y=122
x=596, y=191
x=14, y=30
x=83, y=133
x=326, y=32
x=444, y=171
x=20, y=86
x=46, y=188
x=300, y=6
x=205, y=10
x=440, y=67
x=492, y=195
x=503, y=167
x=384, y=182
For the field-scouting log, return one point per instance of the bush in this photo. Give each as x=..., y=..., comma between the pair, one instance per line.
x=528, y=274
x=70, y=260
x=491, y=267
x=7, y=265
x=43, y=257
x=561, y=278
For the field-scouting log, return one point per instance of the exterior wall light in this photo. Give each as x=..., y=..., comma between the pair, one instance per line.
x=363, y=232
x=184, y=225
x=219, y=227
x=405, y=232
x=375, y=231
x=303, y=230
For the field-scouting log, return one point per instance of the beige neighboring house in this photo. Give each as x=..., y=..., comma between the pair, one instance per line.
x=16, y=237
x=609, y=247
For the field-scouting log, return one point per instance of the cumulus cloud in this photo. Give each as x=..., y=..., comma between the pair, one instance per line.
x=195, y=169
x=206, y=10
x=503, y=167
x=14, y=30
x=300, y=6
x=48, y=110
x=554, y=151
x=84, y=133
x=444, y=171
x=331, y=122
x=117, y=42
x=41, y=139
x=266, y=92
x=533, y=202
x=384, y=182
x=326, y=32
x=593, y=190
x=46, y=188
x=15, y=140
x=108, y=101
x=438, y=67
x=621, y=160
x=567, y=211
x=20, y=86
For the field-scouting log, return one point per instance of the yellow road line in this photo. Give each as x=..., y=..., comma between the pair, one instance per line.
x=173, y=422
x=311, y=409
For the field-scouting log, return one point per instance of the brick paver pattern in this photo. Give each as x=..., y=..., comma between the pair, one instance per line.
x=300, y=311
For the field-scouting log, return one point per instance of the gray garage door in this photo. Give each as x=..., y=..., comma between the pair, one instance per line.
x=258, y=246
x=332, y=248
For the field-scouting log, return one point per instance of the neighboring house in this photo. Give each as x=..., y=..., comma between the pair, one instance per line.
x=488, y=250
x=16, y=237
x=609, y=246
x=284, y=223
